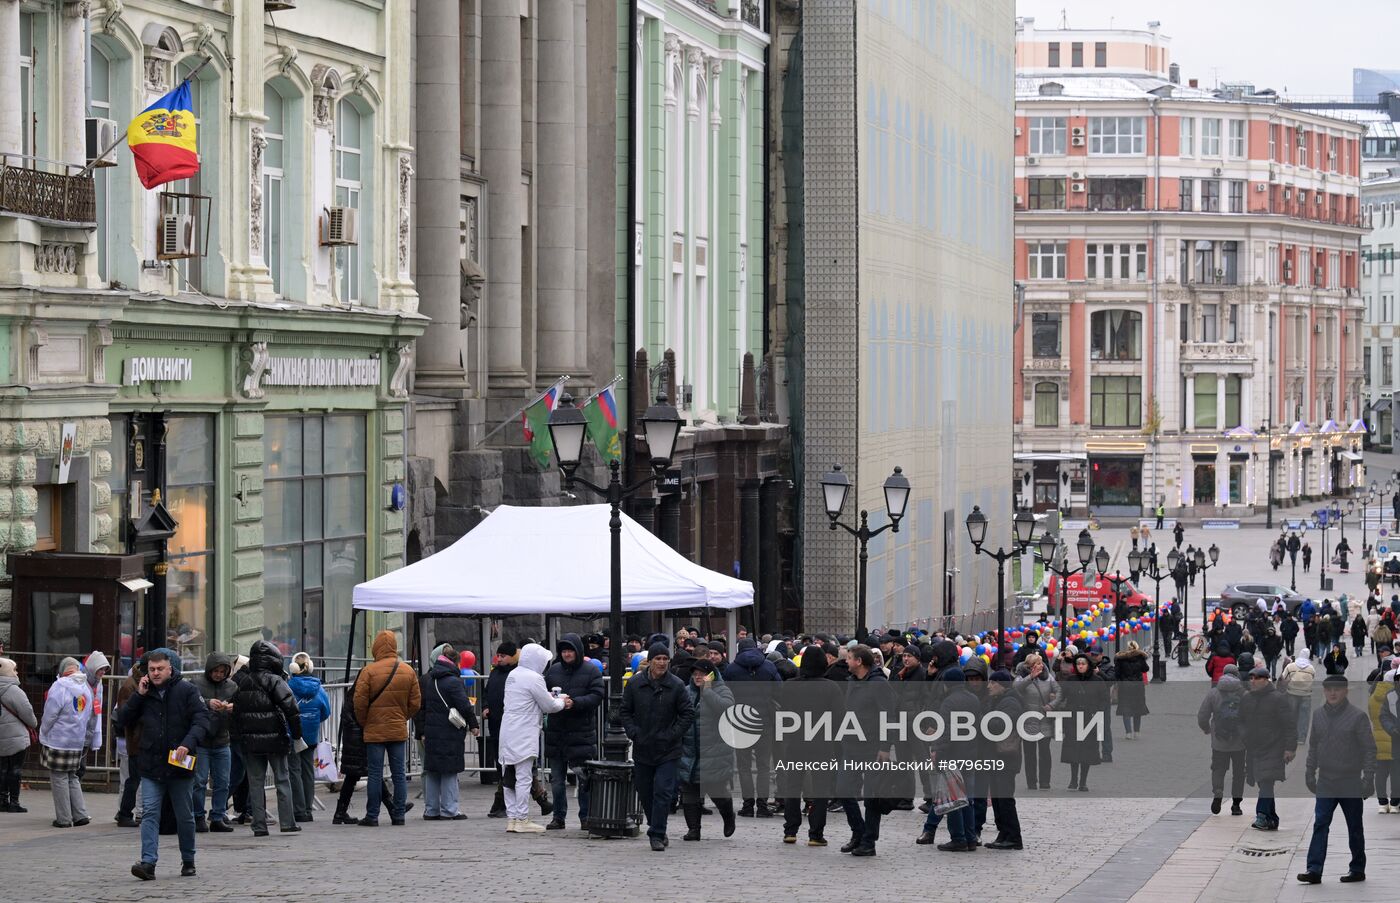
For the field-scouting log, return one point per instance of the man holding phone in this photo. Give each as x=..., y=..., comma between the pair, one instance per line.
x=173, y=721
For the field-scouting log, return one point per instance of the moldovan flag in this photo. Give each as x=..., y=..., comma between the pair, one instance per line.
x=535, y=423
x=162, y=139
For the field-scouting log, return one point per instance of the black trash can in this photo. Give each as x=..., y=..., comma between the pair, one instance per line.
x=613, y=810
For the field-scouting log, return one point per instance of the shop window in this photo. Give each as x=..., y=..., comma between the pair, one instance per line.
x=1045, y=335
x=314, y=526
x=189, y=496
x=1047, y=404
x=1115, y=401
x=1115, y=335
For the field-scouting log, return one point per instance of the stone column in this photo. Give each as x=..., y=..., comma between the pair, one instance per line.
x=1220, y=423
x=555, y=177
x=581, y=189
x=72, y=68
x=11, y=129
x=245, y=246
x=438, y=140
x=501, y=165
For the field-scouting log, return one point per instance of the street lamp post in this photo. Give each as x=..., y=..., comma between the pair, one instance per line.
x=1324, y=520
x=1203, y=567
x=835, y=487
x=1053, y=550
x=1022, y=526
x=660, y=425
x=1366, y=501
x=1293, y=545
x=1118, y=581
x=1152, y=566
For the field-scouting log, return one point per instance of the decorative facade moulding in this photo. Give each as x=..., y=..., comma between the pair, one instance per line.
x=325, y=83
x=56, y=257
x=111, y=11
x=404, y=215
x=257, y=143
x=1046, y=363
x=403, y=366
x=255, y=358
x=77, y=9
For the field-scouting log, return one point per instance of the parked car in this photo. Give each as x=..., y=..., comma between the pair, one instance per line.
x=1239, y=597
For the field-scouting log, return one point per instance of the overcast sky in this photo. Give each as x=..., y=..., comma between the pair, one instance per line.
x=1272, y=43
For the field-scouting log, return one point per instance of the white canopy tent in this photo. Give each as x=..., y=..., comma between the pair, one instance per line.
x=552, y=561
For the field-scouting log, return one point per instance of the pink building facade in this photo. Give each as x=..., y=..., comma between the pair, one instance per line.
x=1189, y=264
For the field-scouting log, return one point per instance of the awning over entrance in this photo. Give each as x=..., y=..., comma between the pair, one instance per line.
x=1349, y=456
x=1380, y=404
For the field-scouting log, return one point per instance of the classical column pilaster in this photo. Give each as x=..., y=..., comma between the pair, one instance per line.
x=11, y=130
x=72, y=68
x=555, y=176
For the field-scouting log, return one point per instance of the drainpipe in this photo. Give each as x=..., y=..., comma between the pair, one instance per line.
x=632, y=57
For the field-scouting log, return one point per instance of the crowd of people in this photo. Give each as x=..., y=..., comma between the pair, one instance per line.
x=197, y=751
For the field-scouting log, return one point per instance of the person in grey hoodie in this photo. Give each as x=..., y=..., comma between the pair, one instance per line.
x=16, y=720
x=213, y=758
x=1219, y=716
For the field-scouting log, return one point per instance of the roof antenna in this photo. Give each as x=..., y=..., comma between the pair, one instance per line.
x=1064, y=17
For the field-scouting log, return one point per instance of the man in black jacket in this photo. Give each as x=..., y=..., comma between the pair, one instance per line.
x=656, y=712
x=213, y=758
x=265, y=719
x=1270, y=742
x=868, y=693
x=1341, y=771
x=173, y=722
x=571, y=736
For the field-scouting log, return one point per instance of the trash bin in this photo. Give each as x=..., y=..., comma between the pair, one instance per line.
x=1326, y=584
x=613, y=810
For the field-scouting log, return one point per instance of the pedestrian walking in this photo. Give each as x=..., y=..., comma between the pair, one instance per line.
x=1307, y=557
x=1039, y=690
x=1341, y=773
x=656, y=713
x=755, y=764
x=442, y=725
x=820, y=693
x=1219, y=717
x=1288, y=630
x=385, y=699
x=571, y=736
x=315, y=707
x=1220, y=657
x=1341, y=555
x=66, y=733
x=1382, y=636
x=174, y=723
x=17, y=721
x=265, y=719
x=1270, y=647
x=1381, y=708
x=1003, y=699
x=1336, y=661
x=1358, y=634
x=212, y=759
x=1082, y=693
x=1297, y=683
x=1130, y=673
x=707, y=762
x=1178, y=533
x=1270, y=743
x=129, y=810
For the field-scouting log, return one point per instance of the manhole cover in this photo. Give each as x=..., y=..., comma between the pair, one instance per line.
x=1260, y=852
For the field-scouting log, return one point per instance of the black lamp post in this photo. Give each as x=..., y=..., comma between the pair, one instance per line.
x=1101, y=559
x=660, y=427
x=835, y=487
x=1052, y=550
x=1203, y=567
x=1324, y=517
x=1177, y=567
x=1367, y=501
x=1022, y=526
x=1151, y=565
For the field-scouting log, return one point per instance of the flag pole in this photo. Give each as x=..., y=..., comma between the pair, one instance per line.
x=87, y=170
x=615, y=380
x=531, y=403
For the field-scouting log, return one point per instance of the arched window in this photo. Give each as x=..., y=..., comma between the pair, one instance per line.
x=1115, y=335
x=350, y=129
x=1047, y=404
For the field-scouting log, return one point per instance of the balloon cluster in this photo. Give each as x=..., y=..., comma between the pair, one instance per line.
x=1081, y=629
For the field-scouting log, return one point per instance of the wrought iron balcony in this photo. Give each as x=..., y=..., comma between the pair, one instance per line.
x=752, y=12
x=47, y=190
x=1213, y=352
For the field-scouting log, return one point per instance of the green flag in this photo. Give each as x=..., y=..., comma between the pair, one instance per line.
x=535, y=424
x=601, y=413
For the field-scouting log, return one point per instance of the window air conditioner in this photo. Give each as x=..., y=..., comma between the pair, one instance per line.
x=341, y=226
x=176, y=238
x=1020, y=201
x=1077, y=187
x=1218, y=171
x=1077, y=141
x=273, y=6
x=1219, y=273
x=1076, y=177
x=1077, y=132
x=1018, y=131
x=1261, y=188
x=100, y=137
x=1031, y=161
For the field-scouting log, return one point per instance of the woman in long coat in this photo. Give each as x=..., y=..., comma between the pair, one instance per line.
x=444, y=744
x=1130, y=667
x=707, y=762
x=1081, y=692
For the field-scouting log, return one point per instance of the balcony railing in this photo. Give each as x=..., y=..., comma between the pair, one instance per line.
x=1216, y=351
x=46, y=189
x=752, y=13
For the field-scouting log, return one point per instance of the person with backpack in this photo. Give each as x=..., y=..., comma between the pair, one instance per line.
x=1270, y=742
x=1219, y=717
x=265, y=719
x=1296, y=683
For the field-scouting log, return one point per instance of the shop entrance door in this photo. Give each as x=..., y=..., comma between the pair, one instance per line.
x=1047, y=486
x=1203, y=484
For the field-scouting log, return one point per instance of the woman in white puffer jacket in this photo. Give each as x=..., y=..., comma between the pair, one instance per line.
x=66, y=732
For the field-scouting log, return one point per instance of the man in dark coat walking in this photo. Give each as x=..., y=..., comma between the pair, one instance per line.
x=1341, y=771
x=750, y=665
x=1270, y=742
x=571, y=736
x=265, y=718
x=174, y=722
x=656, y=712
x=868, y=692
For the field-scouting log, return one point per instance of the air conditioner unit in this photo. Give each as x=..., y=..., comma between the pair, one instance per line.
x=341, y=226
x=273, y=6
x=1031, y=161
x=1020, y=201
x=1018, y=131
x=1077, y=132
x=1218, y=171
x=100, y=139
x=1077, y=187
x=1261, y=188
x=1219, y=273
x=176, y=238
x=1077, y=141
x=1076, y=176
